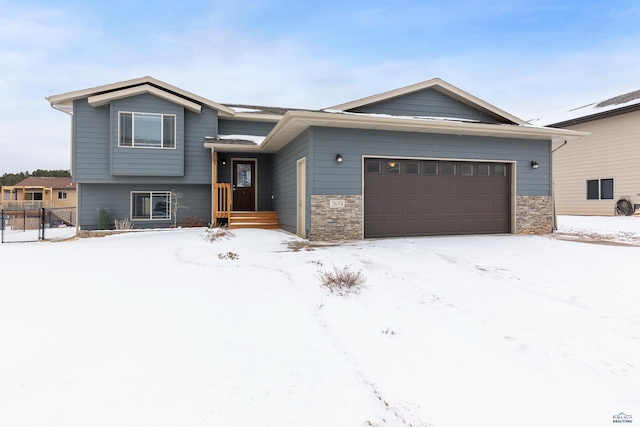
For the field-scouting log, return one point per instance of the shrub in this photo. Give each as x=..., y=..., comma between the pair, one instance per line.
x=342, y=280
x=103, y=219
x=214, y=234
x=125, y=224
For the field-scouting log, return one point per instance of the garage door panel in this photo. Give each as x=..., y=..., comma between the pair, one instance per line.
x=415, y=204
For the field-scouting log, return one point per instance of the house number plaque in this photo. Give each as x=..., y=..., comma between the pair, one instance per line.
x=336, y=204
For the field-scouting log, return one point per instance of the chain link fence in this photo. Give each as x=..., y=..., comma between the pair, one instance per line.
x=38, y=224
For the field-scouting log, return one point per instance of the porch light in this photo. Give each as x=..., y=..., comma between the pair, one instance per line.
x=338, y=158
x=534, y=164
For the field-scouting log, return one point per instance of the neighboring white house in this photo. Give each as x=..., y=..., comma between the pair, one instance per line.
x=590, y=174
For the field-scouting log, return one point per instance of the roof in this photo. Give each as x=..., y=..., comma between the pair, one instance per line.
x=102, y=95
x=291, y=122
x=295, y=122
x=600, y=109
x=48, y=182
x=436, y=84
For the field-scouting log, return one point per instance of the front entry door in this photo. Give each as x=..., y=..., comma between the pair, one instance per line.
x=244, y=187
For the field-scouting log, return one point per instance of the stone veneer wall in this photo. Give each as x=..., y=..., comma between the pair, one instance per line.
x=534, y=215
x=336, y=218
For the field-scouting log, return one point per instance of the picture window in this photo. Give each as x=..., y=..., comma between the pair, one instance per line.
x=146, y=130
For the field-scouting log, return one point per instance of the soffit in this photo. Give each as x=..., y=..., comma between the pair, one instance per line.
x=106, y=98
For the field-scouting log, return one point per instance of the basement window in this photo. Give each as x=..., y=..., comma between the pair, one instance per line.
x=148, y=205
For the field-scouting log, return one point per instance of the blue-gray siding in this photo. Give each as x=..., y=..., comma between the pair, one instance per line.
x=329, y=178
x=284, y=181
x=428, y=102
x=147, y=161
x=93, y=139
x=244, y=127
x=116, y=198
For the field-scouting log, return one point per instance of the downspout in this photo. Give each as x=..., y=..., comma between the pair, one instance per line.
x=553, y=192
x=71, y=162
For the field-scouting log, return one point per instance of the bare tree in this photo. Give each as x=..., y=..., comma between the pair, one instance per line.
x=176, y=196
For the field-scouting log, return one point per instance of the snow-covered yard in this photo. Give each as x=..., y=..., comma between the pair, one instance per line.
x=166, y=329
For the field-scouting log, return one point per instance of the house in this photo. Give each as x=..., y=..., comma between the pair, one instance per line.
x=38, y=192
x=591, y=174
x=426, y=159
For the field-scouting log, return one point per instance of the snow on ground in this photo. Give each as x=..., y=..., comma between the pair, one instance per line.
x=163, y=328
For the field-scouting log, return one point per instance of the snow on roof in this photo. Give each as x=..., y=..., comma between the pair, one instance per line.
x=586, y=111
x=448, y=119
x=238, y=139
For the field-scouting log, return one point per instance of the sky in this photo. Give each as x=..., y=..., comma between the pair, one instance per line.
x=527, y=58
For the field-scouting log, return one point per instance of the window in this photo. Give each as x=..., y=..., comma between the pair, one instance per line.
x=146, y=130
x=393, y=168
x=466, y=169
x=499, y=170
x=431, y=168
x=150, y=205
x=373, y=166
x=62, y=194
x=484, y=170
x=600, y=189
x=449, y=169
x=412, y=168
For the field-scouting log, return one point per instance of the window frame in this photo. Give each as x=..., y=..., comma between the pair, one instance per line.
x=162, y=117
x=600, y=182
x=150, y=217
x=62, y=195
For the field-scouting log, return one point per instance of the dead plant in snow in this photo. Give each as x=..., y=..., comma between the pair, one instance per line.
x=214, y=234
x=125, y=224
x=342, y=280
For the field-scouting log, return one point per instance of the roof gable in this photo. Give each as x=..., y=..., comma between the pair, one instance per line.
x=427, y=88
x=102, y=95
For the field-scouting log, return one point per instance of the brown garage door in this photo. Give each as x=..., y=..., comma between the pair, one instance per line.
x=421, y=198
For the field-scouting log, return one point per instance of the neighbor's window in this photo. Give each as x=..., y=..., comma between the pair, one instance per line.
x=146, y=130
x=600, y=189
x=62, y=194
x=150, y=205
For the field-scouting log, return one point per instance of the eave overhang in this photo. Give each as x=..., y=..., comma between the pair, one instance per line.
x=64, y=101
x=296, y=122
